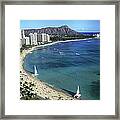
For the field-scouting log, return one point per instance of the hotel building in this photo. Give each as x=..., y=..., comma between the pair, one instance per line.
x=39, y=40
x=43, y=38
x=34, y=38
x=24, y=40
x=31, y=38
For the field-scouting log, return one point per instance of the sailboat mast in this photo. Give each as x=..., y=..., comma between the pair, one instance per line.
x=35, y=71
x=78, y=90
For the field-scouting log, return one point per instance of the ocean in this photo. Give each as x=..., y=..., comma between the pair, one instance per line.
x=65, y=65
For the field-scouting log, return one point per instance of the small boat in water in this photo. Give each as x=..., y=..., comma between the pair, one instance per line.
x=35, y=71
x=77, y=95
x=61, y=53
x=77, y=53
x=88, y=41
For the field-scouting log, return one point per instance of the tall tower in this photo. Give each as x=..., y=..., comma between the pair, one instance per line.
x=48, y=38
x=35, y=38
x=39, y=38
x=22, y=34
x=31, y=38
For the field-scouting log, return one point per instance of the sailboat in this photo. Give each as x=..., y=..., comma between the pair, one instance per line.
x=77, y=53
x=35, y=71
x=77, y=95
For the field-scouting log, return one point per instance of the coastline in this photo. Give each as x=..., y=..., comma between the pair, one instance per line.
x=35, y=47
x=41, y=89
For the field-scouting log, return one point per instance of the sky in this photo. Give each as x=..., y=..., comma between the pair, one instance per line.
x=78, y=25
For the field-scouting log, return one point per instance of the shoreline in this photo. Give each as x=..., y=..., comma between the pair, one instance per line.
x=38, y=46
x=42, y=89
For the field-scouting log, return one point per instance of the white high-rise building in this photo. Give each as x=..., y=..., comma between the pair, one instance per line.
x=22, y=34
x=21, y=42
x=44, y=38
x=39, y=39
x=24, y=40
x=35, y=38
x=31, y=38
x=48, y=38
x=27, y=41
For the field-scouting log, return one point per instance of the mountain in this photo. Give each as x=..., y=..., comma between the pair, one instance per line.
x=53, y=31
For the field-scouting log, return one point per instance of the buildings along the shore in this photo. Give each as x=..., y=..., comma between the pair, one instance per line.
x=34, y=39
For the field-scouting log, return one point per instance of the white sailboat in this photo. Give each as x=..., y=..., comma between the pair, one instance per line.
x=77, y=95
x=77, y=53
x=35, y=71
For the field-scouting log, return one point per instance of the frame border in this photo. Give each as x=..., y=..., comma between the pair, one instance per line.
x=2, y=60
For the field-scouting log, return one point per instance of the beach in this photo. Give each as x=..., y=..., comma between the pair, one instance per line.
x=35, y=86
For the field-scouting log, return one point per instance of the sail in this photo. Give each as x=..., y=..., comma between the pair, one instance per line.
x=77, y=95
x=35, y=70
x=78, y=91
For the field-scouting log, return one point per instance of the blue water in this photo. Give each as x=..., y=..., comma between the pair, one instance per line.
x=69, y=64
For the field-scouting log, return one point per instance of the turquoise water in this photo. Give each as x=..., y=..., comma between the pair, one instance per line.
x=67, y=65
